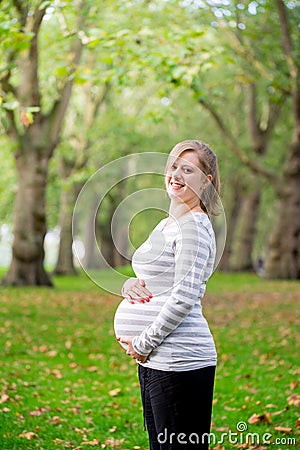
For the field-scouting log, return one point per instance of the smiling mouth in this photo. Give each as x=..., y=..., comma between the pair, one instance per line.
x=176, y=185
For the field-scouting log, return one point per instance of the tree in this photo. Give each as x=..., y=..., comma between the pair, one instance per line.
x=283, y=259
x=73, y=165
x=230, y=31
x=35, y=126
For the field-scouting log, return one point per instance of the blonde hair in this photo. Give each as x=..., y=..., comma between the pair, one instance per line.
x=208, y=164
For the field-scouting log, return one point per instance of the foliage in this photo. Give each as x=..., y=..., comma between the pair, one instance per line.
x=66, y=382
x=160, y=62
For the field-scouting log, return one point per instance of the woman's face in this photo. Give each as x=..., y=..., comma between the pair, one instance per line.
x=184, y=179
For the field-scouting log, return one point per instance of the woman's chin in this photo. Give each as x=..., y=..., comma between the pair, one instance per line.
x=174, y=194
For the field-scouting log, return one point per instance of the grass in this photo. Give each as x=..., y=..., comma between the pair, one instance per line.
x=66, y=382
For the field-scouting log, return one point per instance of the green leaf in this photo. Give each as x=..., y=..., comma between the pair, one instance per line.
x=62, y=71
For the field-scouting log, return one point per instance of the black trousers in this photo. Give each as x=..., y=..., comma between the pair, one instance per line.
x=177, y=407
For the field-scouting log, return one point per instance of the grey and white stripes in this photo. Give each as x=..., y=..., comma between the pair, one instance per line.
x=175, y=261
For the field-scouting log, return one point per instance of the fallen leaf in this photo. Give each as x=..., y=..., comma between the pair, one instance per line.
x=284, y=429
x=113, y=429
x=256, y=418
x=4, y=410
x=221, y=428
x=276, y=413
x=93, y=442
x=298, y=423
x=114, y=392
x=57, y=373
x=114, y=443
x=28, y=435
x=81, y=431
x=56, y=420
x=4, y=398
x=68, y=344
x=294, y=400
x=43, y=348
x=39, y=411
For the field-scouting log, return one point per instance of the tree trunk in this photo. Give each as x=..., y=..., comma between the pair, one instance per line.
x=283, y=257
x=65, y=262
x=232, y=214
x=245, y=232
x=29, y=222
x=91, y=258
x=120, y=259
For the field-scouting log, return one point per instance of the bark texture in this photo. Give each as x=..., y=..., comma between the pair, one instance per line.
x=245, y=232
x=30, y=223
x=35, y=142
x=283, y=260
x=65, y=261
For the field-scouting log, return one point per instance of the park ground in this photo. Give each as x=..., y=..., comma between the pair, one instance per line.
x=65, y=382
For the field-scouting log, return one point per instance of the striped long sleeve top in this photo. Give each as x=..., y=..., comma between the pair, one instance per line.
x=175, y=262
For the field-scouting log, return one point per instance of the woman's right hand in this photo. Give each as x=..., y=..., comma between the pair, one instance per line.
x=134, y=290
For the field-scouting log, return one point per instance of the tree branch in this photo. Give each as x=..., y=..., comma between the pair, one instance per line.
x=254, y=129
x=287, y=48
x=28, y=91
x=275, y=111
x=259, y=134
x=244, y=158
x=57, y=113
x=11, y=130
x=59, y=108
x=22, y=10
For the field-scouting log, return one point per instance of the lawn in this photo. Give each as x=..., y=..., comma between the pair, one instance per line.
x=66, y=382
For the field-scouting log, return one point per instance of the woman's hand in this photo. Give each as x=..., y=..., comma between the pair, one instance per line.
x=130, y=351
x=134, y=290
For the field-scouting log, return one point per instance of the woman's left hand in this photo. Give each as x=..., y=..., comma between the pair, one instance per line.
x=130, y=351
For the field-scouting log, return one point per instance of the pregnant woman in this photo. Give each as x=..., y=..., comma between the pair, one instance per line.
x=160, y=320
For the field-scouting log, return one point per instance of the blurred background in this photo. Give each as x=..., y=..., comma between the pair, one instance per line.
x=83, y=83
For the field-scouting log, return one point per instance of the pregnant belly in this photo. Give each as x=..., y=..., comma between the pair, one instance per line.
x=130, y=320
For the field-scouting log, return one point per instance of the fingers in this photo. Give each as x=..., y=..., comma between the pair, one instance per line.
x=130, y=350
x=134, y=289
x=133, y=296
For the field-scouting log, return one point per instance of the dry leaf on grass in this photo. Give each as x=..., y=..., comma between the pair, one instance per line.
x=28, y=435
x=56, y=420
x=256, y=418
x=294, y=400
x=4, y=398
x=114, y=392
x=93, y=442
x=283, y=429
x=39, y=411
x=4, y=410
x=114, y=443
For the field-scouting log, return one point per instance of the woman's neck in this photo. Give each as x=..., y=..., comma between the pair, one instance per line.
x=178, y=209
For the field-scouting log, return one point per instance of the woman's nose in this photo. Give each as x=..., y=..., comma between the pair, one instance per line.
x=177, y=173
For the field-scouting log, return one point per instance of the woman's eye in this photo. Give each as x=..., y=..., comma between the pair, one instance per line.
x=173, y=167
x=187, y=170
